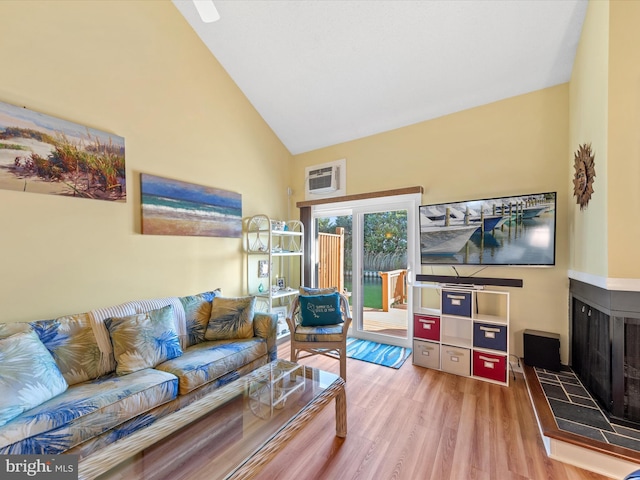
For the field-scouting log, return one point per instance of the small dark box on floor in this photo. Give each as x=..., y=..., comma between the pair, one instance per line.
x=542, y=349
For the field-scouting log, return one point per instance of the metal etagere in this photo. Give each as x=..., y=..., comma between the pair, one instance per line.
x=275, y=250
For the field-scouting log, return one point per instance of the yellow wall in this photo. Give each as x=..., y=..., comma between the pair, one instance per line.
x=136, y=69
x=623, y=175
x=605, y=111
x=514, y=146
x=588, y=119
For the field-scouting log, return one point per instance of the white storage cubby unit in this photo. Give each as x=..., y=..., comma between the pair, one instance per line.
x=274, y=250
x=461, y=330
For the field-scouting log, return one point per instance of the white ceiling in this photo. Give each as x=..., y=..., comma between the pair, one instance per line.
x=322, y=72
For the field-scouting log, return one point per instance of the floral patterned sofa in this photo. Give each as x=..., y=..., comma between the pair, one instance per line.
x=77, y=383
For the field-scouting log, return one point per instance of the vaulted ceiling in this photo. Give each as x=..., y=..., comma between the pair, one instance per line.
x=322, y=72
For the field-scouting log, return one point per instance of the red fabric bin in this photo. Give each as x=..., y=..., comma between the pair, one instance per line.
x=426, y=326
x=488, y=365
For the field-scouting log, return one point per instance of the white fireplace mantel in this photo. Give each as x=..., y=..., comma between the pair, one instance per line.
x=608, y=283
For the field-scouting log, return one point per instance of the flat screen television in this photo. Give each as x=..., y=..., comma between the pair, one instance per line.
x=517, y=230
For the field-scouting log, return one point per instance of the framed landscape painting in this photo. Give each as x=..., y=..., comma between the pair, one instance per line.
x=44, y=154
x=172, y=207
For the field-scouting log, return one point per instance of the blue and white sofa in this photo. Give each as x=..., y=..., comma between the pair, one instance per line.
x=77, y=383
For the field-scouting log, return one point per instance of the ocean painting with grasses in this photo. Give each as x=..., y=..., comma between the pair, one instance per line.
x=172, y=207
x=44, y=154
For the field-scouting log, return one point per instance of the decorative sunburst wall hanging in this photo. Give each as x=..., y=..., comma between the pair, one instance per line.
x=584, y=166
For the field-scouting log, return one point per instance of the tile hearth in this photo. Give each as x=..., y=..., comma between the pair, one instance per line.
x=576, y=412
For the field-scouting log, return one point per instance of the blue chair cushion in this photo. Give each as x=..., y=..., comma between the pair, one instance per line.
x=318, y=310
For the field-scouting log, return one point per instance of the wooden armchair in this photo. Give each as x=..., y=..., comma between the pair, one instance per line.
x=328, y=340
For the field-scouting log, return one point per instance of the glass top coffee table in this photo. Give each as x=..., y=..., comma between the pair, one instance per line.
x=229, y=433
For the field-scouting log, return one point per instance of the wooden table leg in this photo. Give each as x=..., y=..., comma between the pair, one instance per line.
x=341, y=413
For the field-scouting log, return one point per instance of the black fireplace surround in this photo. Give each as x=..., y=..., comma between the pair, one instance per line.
x=605, y=348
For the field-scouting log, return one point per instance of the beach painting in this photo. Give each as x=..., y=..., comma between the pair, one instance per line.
x=172, y=207
x=44, y=154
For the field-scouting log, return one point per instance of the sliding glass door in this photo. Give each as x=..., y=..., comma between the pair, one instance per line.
x=377, y=239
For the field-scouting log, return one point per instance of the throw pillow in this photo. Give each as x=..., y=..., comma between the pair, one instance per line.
x=231, y=318
x=28, y=375
x=8, y=329
x=317, y=291
x=318, y=310
x=198, y=312
x=74, y=347
x=143, y=340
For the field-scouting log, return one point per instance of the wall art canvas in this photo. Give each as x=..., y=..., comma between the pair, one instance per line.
x=44, y=154
x=172, y=207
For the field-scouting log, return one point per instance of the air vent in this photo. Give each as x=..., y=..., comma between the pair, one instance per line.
x=324, y=180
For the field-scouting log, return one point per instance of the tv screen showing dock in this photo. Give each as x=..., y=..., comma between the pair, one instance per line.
x=517, y=230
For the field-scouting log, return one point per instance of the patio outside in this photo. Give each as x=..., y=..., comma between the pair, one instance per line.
x=384, y=260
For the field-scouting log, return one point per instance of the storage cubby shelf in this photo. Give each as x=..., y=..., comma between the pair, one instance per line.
x=427, y=311
x=466, y=333
x=491, y=318
x=455, y=341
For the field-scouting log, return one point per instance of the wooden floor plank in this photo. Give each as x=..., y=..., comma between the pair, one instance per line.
x=415, y=423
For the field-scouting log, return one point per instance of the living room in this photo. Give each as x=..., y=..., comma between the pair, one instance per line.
x=137, y=69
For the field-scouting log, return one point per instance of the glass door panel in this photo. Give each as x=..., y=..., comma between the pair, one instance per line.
x=383, y=257
x=378, y=247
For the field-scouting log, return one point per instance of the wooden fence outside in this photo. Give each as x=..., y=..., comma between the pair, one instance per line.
x=331, y=259
x=331, y=270
x=394, y=288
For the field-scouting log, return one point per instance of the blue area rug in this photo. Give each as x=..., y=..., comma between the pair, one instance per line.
x=379, y=353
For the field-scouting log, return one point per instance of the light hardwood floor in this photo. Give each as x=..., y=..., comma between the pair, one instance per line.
x=415, y=423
